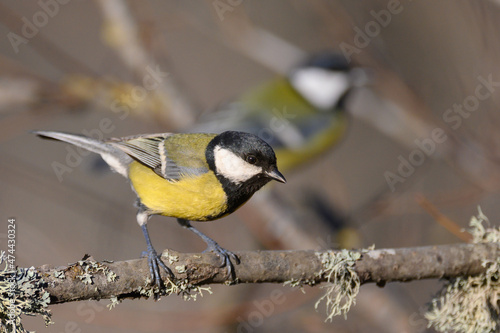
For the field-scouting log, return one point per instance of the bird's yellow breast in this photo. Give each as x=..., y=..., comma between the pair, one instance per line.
x=195, y=198
x=314, y=146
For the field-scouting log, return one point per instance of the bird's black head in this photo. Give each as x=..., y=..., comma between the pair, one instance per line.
x=331, y=61
x=243, y=163
x=240, y=157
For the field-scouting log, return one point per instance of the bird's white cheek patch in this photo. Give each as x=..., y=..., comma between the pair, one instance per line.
x=320, y=87
x=233, y=167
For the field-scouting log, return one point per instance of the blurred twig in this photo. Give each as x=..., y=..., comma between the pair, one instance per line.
x=443, y=220
x=121, y=32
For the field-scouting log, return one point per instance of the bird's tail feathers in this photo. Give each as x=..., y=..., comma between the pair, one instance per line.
x=116, y=158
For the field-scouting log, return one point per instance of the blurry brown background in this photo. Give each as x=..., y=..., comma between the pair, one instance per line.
x=84, y=56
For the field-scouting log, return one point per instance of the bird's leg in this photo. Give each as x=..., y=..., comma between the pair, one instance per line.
x=154, y=260
x=212, y=246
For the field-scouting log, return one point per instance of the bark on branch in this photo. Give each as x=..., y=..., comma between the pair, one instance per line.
x=379, y=266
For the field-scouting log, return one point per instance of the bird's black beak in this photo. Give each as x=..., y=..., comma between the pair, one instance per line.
x=276, y=175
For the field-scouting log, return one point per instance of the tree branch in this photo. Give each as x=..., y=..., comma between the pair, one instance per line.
x=380, y=266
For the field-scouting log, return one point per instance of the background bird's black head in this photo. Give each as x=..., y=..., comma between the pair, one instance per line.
x=325, y=80
x=327, y=60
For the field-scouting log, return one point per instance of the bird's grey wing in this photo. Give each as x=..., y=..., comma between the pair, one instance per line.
x=151, y=151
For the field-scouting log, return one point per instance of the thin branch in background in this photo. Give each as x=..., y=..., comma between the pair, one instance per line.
x=442, y=219
x=121, y=32
x=252, y=42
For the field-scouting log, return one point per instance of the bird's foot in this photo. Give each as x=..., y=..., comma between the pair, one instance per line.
x=212, y=246
x=225, y=257
x=155, y=263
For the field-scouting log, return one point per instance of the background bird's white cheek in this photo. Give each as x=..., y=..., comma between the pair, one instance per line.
x=233, y=167
x=320, y=87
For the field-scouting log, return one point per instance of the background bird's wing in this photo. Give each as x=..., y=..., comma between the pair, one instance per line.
x=171, y=156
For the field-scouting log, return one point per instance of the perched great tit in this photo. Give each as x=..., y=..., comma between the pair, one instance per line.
x=300, y=115
x=192, y=177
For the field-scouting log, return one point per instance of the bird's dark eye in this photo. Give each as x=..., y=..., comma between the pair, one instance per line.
x=251, y=159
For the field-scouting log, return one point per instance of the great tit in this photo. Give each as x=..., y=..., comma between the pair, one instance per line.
x=192, y=177
x=300, y=115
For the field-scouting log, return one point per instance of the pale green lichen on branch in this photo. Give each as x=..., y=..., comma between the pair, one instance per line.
x=21, y=293
x=471, y=304
x=181, y=287
x=343, y=281
x=89, y=268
